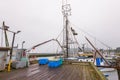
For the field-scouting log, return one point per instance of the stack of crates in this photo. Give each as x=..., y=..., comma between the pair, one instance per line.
x=43, y=61
x=55, y=63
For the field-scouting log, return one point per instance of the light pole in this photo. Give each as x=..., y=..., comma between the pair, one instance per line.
x=10, y=60
x=14, y=33
x=22, y=52
x=22, y=44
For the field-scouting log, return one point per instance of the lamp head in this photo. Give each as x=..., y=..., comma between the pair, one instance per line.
x=23, y=42
x=18, y=32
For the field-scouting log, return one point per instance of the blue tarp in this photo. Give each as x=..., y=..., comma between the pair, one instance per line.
x=98, y=61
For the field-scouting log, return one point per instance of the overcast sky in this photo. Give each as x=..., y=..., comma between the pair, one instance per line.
x=41, y=20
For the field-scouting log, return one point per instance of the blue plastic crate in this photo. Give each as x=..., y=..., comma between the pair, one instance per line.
x=43, y=61
x=55, y=64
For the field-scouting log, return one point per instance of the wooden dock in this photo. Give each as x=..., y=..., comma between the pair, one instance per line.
x=68, y=71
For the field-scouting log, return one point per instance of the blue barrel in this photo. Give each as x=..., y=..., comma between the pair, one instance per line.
x=43, y=61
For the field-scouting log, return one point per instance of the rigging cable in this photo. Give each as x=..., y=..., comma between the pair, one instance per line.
x=77, y=42
x=92, y=37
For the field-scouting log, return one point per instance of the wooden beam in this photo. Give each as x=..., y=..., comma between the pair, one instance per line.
x=5, y=48
x=96, y=50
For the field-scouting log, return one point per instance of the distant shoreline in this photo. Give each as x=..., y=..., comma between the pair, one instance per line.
x=43, y=54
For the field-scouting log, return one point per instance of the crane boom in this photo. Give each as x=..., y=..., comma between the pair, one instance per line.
x=45, y=43
x=42, y=43
x=39, y=44
x=96, y=50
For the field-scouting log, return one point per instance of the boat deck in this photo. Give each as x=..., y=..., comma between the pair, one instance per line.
x=73, y=71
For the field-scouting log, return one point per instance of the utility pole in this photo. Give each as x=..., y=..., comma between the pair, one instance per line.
x=5, y=28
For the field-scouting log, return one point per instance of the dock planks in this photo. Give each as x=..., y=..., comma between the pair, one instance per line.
x=72, y=71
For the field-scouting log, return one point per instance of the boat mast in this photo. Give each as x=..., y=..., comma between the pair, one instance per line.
x=67, y=35
x=66, y=10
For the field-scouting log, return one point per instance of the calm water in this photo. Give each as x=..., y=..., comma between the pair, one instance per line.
x=112, y=75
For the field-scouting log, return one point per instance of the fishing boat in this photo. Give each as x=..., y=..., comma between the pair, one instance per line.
x=68, y=69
